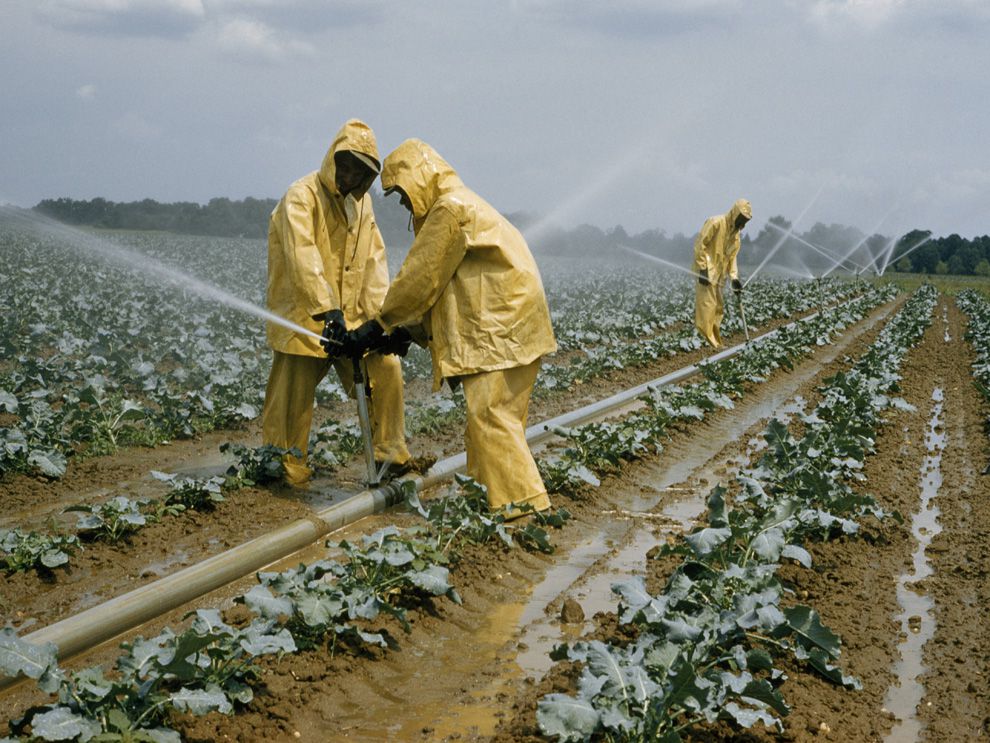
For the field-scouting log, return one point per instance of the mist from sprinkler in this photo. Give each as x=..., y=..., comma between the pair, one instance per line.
x=783, y=238
x=605, y=181
x=821, y=251
x=857, y=246
x=661, y=261
x=143, y=265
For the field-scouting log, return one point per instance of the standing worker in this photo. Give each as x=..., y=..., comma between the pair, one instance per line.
x=472, y=287
x=715, y=251
x=327, y=271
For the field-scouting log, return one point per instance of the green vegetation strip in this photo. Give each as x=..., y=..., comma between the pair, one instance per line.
x=707, y=647
x=211, y=665
x=597, y=449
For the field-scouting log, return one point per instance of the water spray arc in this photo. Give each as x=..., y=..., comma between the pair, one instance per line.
x=783, y=238
x=857, y=246
x=661, y=261
x=907, y=252
x=145, y=265
x=821, y=251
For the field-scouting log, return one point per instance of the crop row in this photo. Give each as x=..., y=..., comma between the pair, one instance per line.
x=97, y=358
x=599, y=448
x=708, y=646
x=116, y=518
x=765, y=302
x=332, y=604
x=977, y=307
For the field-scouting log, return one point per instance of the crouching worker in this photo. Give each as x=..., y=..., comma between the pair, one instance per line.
x=471, y=286
x=715, y=252
x=327, y=271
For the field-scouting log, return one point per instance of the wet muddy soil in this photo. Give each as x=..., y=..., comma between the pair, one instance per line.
x=470, y=671
x=475, y=671
x=940, y=692
x=101, y=571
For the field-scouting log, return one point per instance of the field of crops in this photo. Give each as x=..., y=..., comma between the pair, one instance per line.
x=791, y=544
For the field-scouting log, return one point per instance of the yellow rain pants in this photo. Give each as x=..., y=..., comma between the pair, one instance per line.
x=709, y=309
x=288, y=411
x=497, y=453
x=715, y=250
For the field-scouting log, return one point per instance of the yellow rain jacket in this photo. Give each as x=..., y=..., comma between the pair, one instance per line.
x=306, y=276
x=715, y=251
x=325, y=252
x=469, y=278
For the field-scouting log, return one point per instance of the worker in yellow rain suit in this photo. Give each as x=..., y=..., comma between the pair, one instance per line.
x=471, y=286
x=715, y=251
x=327, y=271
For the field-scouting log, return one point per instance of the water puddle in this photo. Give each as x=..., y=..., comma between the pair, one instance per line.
x=164, y=567
x=916, y=618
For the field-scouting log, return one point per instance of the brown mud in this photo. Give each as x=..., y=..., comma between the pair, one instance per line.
x=102, y=571
x=475, y=671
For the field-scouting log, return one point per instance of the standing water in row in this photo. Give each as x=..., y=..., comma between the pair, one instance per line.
x=916, y=619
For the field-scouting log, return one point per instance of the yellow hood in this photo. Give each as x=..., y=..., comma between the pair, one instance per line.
x=354, y=136
x=741, y=206
x=421, y=173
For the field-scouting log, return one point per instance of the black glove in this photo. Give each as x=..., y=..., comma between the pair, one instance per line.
x=397, y=342
x=334, y=331
x=737, y=286
x=703, y=277
x=368, y=337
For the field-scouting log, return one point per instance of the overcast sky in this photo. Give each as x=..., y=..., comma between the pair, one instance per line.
x=645, y=114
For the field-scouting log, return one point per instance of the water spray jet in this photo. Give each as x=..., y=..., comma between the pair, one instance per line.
x=144, y=265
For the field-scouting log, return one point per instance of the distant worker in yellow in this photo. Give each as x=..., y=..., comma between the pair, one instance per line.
x=470, y=289
x=327, y=272
x=715, y=251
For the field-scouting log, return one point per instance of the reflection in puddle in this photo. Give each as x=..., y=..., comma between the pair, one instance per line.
x=916, y=618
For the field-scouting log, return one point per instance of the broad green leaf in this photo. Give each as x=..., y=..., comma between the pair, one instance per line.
x=747, y=717
x=705, y=541
x=201, y=701
x=17, y=656
x=806, y=624
x=54, y=558
x=567, y=718
x=50, y=463
x=794, y=552
x=258, y=641
x=435, y=579
x=62, y=723
x=261, y=601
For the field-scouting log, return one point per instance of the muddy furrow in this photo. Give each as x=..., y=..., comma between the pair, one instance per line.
x=956, y=679
x=456, y=675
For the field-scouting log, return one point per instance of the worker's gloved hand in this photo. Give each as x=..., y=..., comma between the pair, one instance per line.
x=737, y=286
x=367, y=337
x=703, y=277
x=334, y=331
x=397, y=342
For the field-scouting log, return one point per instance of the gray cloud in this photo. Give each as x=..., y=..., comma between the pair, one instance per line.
x=142, y=18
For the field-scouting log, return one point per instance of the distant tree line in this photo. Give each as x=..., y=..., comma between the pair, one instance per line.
x=809, y=253
x=219, y=217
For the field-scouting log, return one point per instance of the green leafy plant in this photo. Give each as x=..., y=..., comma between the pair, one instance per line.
x=111, y=521
x=21, y=551
x=257, y=465
x=191, y=493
